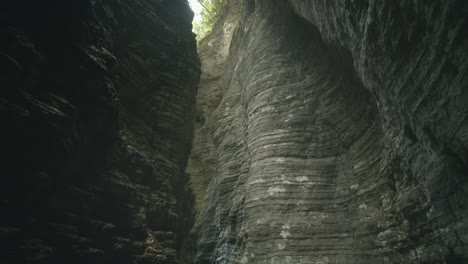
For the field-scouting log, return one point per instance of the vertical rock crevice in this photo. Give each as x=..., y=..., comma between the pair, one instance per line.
x=324, y=132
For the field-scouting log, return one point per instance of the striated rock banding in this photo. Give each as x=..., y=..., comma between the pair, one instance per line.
x=339, y=136
x=96, y=99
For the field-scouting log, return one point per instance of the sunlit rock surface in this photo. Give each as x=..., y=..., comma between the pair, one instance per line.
x=339, y=134
x=96, y=103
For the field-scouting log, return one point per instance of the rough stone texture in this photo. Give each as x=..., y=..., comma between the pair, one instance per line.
x=340, y=135
x=96, y=102
x=214, y=52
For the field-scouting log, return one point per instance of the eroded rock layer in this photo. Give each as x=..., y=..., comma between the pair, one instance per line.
x=214, y=52
x=96, y=102
x=339, y=134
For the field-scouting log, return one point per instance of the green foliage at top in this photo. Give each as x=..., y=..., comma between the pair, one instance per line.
x=212, y=11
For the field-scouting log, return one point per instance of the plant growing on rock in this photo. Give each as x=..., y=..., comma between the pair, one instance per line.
x=212, y=11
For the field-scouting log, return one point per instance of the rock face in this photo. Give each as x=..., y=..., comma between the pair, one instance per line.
x=214, y=52
x=338, y=133
x=96, y=102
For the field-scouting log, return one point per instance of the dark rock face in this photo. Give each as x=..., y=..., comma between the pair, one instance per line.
x=96, y=102
x=339, y=134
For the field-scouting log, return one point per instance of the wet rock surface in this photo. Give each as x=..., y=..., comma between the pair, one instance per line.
x=338, y=134
x=95, y=102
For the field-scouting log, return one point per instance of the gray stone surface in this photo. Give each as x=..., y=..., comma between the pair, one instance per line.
x=96, y=103
x=340, y=134
x=214, y=52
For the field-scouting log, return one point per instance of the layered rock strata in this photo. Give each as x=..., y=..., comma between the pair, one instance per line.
x=339, y=134
x=214, y=52
x=96, y=104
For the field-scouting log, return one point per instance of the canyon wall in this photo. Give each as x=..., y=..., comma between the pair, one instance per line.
x=96, y=103
x=325, y=132
x=333, y=132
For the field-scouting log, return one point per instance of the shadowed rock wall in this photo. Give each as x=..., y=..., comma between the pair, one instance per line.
x=96, y=102
x=339, y=134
